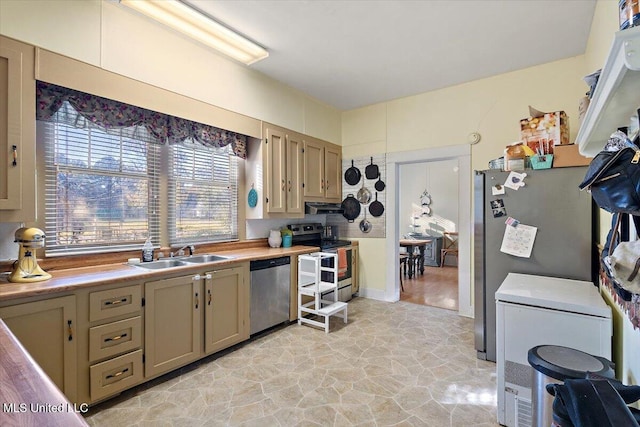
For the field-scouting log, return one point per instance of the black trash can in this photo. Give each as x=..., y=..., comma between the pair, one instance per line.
x=554, y=364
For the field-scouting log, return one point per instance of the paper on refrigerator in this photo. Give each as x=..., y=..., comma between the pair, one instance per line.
x=518, y=241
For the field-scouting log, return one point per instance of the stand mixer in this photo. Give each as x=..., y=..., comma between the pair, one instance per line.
x=26, y=268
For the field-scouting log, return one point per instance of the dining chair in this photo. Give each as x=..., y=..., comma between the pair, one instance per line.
x=449, y=246
x=403, y=262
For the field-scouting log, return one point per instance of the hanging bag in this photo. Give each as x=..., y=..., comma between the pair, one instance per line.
x=618, y=270
x=621, y=262
x=613, y=176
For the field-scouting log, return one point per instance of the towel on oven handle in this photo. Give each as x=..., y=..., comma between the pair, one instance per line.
x=342, y=262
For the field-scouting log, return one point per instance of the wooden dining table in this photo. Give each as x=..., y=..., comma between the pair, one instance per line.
x=411, y=245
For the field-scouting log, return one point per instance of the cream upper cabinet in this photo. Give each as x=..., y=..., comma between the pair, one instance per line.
x=313, y=169
x=47, y=329
x=226, y=309
x=295, y=173
x=332, y=172
x=274, y=170
x=172, y=324
x=323, y=170
x=17, y=132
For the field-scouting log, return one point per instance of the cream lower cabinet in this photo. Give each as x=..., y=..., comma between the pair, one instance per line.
x=173, y=331
x=47, y=330
x=226, y=310
x=355, y=271
x=109, y=340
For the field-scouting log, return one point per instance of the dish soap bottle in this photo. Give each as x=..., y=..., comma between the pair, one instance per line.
x=147, y=251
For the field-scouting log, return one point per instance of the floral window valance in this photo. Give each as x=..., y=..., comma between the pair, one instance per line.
x=110, y=114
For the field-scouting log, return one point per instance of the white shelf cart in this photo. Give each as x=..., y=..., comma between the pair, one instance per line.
x=310, y=283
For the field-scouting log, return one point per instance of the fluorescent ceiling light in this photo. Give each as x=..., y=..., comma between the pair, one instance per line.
x=194, y=24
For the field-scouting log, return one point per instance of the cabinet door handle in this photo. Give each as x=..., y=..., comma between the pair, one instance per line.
x=14, y=149
x=327, y=184
x=197, y=300
x=70, y=330
x=117, y=374
x=283, y=185
x=116, y=302
x=289, y=186
x=210, y=297
x=116, y=338
x=322, y=184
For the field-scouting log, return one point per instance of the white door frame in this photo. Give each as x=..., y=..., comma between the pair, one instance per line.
x=465, y=225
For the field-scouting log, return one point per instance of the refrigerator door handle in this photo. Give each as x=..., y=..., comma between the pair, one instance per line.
x=479, y=257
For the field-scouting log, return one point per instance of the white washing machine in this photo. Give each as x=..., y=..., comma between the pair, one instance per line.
x=537, y=310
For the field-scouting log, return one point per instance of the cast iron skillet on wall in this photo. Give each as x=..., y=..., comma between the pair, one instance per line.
x=371, y=171
x=351, y=207
x=380, y=183
x=352, y=175
x=376, y=208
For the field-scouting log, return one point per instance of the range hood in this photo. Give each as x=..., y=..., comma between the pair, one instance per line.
x=323, y=208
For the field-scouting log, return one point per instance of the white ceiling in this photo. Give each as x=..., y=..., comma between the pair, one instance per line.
x=349, y=54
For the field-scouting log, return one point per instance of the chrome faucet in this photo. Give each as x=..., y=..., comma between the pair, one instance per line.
x=180, y=251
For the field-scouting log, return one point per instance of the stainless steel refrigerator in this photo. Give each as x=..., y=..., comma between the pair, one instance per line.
x=563, y=247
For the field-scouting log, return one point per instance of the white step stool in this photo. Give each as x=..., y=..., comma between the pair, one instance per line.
x=310, y=283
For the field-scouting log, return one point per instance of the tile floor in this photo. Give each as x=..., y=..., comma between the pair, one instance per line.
x=393, y=364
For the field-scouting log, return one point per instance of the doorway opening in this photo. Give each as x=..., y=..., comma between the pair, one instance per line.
x=398, y=222
x=428, y=206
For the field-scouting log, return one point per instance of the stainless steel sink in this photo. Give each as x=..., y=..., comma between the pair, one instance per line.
x=163, y=263
x=198, y=259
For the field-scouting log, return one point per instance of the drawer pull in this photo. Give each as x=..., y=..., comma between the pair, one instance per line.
x=116, y=338
x=117, y=374
x=14, y=148
x=210, y=297
x=116, y=302
x=197, y=300
x=70, y=330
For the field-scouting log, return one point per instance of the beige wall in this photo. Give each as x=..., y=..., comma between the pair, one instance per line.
x=493, y=107
x=93, y=31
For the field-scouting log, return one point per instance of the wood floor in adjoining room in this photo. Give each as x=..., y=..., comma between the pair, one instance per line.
x=437, y=287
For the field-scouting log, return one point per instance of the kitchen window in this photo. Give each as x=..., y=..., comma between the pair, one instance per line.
x=203, y=189
x=101, y=186
x=108, y=166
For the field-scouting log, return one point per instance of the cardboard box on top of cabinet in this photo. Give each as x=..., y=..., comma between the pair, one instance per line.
x=542, y=131
x=568, y=155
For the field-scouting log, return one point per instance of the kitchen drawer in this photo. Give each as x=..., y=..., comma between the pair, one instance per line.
x=115, y=302
x=115, y=338
x=115, y=375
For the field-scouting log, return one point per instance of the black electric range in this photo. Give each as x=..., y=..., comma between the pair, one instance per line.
x=310, y=234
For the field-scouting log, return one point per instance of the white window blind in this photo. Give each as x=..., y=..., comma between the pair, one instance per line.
x=101, y=186
x=203, y=194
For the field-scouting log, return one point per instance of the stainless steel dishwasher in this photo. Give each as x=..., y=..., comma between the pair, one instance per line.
x=270, y=290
